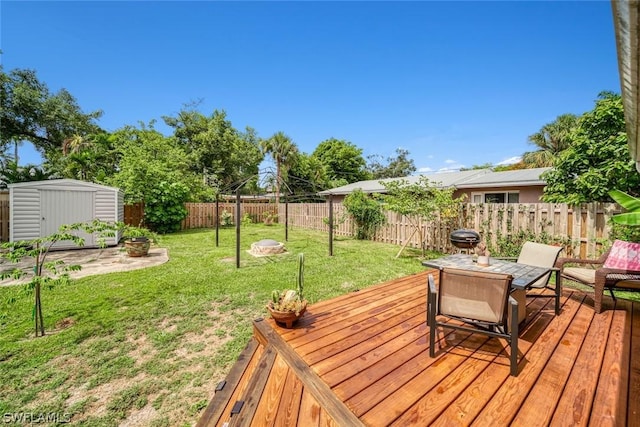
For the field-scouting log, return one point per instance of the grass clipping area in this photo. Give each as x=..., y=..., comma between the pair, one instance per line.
x=147, y=347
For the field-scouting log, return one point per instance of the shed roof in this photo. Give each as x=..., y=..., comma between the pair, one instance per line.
x=475, y=178
x=66, y=182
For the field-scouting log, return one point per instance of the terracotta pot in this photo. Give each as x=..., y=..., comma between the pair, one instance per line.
x=286, y=318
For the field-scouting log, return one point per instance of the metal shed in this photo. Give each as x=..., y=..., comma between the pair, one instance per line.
x=39, y=208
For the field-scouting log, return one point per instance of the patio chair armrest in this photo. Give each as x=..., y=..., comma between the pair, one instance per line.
x=432, y=285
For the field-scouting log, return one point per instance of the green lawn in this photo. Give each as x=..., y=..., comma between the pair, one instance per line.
x=153, y=343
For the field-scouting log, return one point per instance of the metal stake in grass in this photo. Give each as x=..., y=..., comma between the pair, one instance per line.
x=301, y=276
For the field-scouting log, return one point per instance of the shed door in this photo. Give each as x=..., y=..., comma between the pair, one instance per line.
x=58, y=207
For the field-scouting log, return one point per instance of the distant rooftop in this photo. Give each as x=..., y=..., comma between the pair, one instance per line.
x=475, y=178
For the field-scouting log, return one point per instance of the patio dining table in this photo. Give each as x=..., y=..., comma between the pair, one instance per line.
x=524, y=275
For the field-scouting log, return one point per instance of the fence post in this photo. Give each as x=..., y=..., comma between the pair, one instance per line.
x=330, y=225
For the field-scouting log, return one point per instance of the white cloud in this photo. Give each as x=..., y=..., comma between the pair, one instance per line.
x=510, y=161
x=450, y=168
x=450, y=162
x=425, y=170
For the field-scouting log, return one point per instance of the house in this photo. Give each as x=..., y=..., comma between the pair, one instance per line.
x=479, y=185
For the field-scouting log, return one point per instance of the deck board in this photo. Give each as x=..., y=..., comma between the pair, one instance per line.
x=610, y=404
x=633, y=415
x=575, y=403
x=363, y=359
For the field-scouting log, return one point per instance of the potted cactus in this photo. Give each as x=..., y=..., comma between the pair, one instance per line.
x=287, y=306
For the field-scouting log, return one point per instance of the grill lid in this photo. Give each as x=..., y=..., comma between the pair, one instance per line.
x=464, y=238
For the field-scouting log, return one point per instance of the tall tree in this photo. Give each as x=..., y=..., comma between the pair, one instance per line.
x=12, y=173
x=146, y=158
x=30, y=112
x=284, y=153
x=394, y=167
x=215, y=149
x=551, y=140
x=306, y=178
x=598, y=159
x=342, y=161
x=90, y=158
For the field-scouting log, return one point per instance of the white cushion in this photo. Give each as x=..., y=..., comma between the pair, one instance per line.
x=583, y=275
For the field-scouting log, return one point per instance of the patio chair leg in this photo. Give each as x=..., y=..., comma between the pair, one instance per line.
x=597, y=303
x=431, y=316
x=558, y=291
x=513, y=331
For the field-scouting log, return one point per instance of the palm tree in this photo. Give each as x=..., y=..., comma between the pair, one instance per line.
x=552, y=139
x=284, y=153
x=16, y=144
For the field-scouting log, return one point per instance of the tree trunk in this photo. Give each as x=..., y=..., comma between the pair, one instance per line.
x=406, y=242
x=277, y=183
x=39, y=319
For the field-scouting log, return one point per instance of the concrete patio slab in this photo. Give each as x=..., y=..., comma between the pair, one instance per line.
x=92, y=261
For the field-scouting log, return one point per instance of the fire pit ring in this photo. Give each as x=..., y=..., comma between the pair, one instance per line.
x=266, y=247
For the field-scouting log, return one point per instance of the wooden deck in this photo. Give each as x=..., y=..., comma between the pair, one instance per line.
x=363, y=359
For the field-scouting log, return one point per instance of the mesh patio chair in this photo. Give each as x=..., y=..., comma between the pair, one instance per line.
x=599, y=275
x=479, y=300
x=540, y=255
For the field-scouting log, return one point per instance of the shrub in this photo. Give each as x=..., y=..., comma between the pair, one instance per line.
x=366, y=212
x=164, y=207
x=246, y=219
x=226, y=218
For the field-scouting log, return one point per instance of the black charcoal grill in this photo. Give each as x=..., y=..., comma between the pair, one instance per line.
x=464, y=239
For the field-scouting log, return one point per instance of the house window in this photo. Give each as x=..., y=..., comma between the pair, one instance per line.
x=496, y=197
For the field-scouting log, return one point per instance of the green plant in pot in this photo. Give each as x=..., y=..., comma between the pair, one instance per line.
x=287, y=306
x=137, y=240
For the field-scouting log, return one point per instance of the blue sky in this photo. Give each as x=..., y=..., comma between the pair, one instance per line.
x=455, y=83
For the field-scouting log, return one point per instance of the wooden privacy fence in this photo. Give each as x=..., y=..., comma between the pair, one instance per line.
x=581, y=229
x=202, y=215
x=134, y=214
x=4, y=220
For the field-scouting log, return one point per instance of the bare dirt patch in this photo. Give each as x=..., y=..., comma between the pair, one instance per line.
x=65, y=323
x=140, y=417
x=179, y=386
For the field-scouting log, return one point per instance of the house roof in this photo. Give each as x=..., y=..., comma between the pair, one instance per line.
x=475, y=178
x=626, y=17
x=515, y=178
